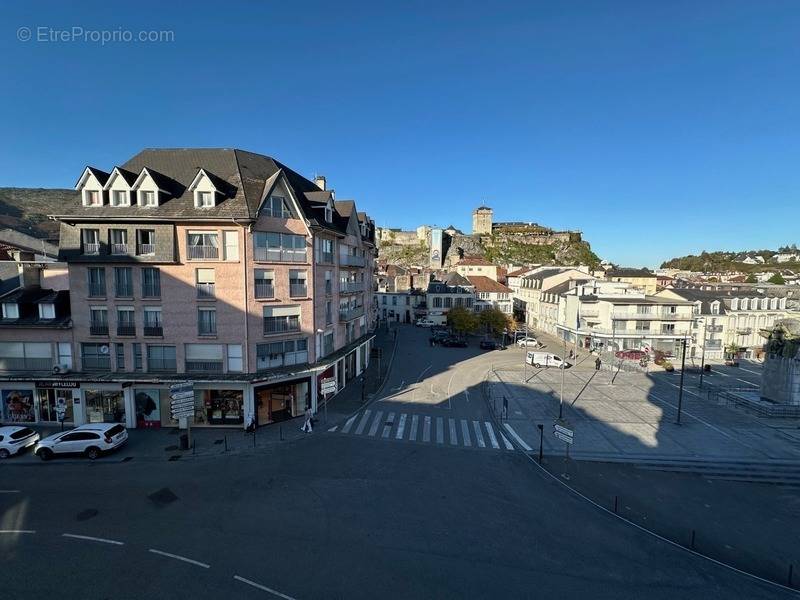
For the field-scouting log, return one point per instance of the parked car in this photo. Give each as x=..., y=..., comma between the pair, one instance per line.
x=14, y=439
x=454, y=341
x=424, y=323
x=527, y=342
x=491, y=345
x=546, y=359
x=90, y=440
x=630, y=354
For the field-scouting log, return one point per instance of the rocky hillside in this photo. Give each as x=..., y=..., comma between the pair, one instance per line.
x=559, y=253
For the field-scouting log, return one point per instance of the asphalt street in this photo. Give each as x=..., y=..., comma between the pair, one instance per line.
x=338, y=515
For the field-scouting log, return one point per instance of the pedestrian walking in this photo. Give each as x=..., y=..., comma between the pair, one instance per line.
x=307, y=423
x=597, y=363
x=571, y=354
x=505, y=407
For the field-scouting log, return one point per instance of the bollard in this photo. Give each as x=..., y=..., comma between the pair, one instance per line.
x=616, y=498
x=692, y=543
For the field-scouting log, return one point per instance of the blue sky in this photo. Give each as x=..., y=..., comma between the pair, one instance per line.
x=656, y=128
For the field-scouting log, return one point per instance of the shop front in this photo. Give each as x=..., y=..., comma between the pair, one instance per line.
x=104, y=404
x=147, y=405
x=40, y=402
x=281, y=401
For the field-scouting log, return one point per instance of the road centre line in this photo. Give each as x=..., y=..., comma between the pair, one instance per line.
x=92, y=539
x=262, y=587
x=182, y=558
x=9, y=491
x=16, y=531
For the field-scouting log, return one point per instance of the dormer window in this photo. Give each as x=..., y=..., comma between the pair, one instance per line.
x=328, y=213
x=203, y=199
x=47, y=310
x=147, y=198
x=119, y=198
x=735, y=304
x=92, y=198
x=743, y=304
x=715, y=307
x=10, y=310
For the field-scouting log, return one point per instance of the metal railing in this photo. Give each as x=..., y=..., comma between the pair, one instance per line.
x=153, y=330
x=714, y=328
x=298, y=290
x=96, y=363
x=280, y=325
x=205, y=291
x=97, y=290
x=119, y=248
x=279, y=255
x=146, y=249
x=264, y=290
x=326, y=257
x=25, y=364
x=351, y=260
x=203, y=366
x=654, y=316
x=126, y=329
x=744, y=330
x=98, y=329
x=349, y=315
x=202, y=252
x=91, y=248
x=351, y=287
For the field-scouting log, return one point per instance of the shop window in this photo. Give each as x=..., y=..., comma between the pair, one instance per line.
x=51, y=400
x=148, y=413
x=18, y=406
x=219, y=407
x=104, y=406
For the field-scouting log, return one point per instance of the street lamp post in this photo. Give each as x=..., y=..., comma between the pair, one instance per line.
x=680, y=389
x=541, y=440
x=561, y=395
x=703, y=353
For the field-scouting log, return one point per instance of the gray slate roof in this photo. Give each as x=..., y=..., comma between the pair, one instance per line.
x=26, y=209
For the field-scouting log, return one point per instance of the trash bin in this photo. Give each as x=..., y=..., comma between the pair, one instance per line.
x=707, y=368
x=184, y=441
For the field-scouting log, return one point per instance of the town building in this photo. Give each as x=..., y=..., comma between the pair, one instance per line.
x=476, y=266
x=645, y=280
x=529, y=287
x=219, y=267
x=491, y=294
x=401, y=306
x=441, y=296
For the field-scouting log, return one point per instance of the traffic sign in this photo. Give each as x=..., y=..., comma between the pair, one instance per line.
x=328, y=386
x=176, y=404
x=562, y=437
x=181, y=395
x=183, y=387
x=562, y=430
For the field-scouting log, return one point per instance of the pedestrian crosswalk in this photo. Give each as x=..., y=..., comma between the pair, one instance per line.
x=429, y=429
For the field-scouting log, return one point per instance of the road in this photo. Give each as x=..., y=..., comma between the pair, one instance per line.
x=340, y=515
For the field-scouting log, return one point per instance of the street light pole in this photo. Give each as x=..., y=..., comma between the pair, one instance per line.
x=703, y=353
x=680, y=389
x=541, y=440
x=561, y=395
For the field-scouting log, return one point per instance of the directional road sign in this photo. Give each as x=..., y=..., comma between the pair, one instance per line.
x=562, y=437
x=562, y=430
x=328, y=386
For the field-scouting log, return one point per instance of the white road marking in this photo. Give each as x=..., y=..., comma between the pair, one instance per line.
x=9, y=491
x=478, y=435
x=262, y=587
x=334, y=428
x=750, y=371
x=182, y=558
x=375, y=424
x=412, y=437
x=453, y=436
x=492, y=437
x=401, y=427
x=465, y=433
x=450, y=381
x=363, y=422
x=513, y=434
x=399, y=387
x=508, y=445
x=93, y=539
x=387, y=429
x=349, y=424
x=11, y=531
x=439, y=430
x=426, y=430
x=750, y=383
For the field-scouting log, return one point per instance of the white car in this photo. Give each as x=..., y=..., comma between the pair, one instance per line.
x=91, y=440
x=424, y=323
x=14, y=439
x=527, y=342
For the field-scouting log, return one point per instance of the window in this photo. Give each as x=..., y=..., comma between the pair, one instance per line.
x=18, y=356
x=147, y=198
x=281, y=319
x=10, y=310
x=92, y=198
x=205, y=284
x=97, y=282
x=91, y=241
x=448, y=302
x=279, y=247
x=668, y=328
x=119, y=241
x=95, y=357
x=264, y=283
x=47, y=310
x=437, y=302
x=328, y=312
x=327, y=344
x=161, y=358
x=328, y=282
x=152, y=321
x=279, y=354
x=644, y=309
x=119, y=198
x=235, y=364
x=126, y=324
x=65, y=354
x=151, y=282
x=137, y=357
x=123, y=282
x=642, y=325
x=202, y=245
x=207, y=321
x=326, y=250
x=275, y=206
x=297, y=284
x=120, y=356
x=204, y=199
x=715, y=307
x=203, y=358
x=231, y=240
x=383, y=300
x=328, y=213
x=98, y=320
x=145, y=242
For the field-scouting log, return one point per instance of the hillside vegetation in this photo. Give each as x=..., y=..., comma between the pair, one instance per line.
x=722, y=261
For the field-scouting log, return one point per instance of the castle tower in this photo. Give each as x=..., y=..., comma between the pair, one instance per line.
x=482, y=221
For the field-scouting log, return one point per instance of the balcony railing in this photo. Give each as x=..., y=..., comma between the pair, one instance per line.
x=205, y=291
x=280, y=254
x=164, y=365
x=146, y=249
x=153, y=330
x=97, y=290
x=202, y=252
x=151, y=291
x=653, y=316
x=280, y=325
x=298, y=290
x=96, y=363
x=744, y=330
x=126, y=329
x=264, y=290
x=25, y=364
x=714, y=328
x=349, y=315
x=203, y=366
x=351, y=260
x=98, y=329
x=91, y=248
x=327, y=257
x=351, y=287
x=119, y=248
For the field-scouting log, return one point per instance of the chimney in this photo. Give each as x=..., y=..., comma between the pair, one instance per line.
x=320, y=181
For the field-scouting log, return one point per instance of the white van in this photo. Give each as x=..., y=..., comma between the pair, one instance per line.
x=545, y=359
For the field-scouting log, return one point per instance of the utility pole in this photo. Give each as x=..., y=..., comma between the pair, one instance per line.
x=680, y=389
x=703, y=353
x=561, y=395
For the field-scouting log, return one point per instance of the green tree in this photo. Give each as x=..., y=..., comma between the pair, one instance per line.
x=493, y=320
x=751, y=279
x=462, y=320
x=777, y=279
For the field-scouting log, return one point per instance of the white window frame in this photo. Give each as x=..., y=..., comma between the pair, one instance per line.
x=87, y=194
x=116, y=195
x=200, y=197
x=230, y=251
x=47, y=310
x=235, y=358
x=10, y=313
x=143, y=198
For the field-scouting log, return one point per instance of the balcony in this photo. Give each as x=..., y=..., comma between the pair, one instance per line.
x=25, y=364
x=280, y=325
x=714, y=328
x=202, y=252
x=153, y=330
x=127, y=329
x=349, y=315
x=264, y=290
x=119, y=248
x=96, y=363
x=351, y=260
x=653, y=316
x=97, y=290
x=205, y=291
x=145, y=249
x=203, y=366
x=98, y=329
x=91, y=248
x=744, y=330
x=279, y=255
x=298, y=290
x=351, y=287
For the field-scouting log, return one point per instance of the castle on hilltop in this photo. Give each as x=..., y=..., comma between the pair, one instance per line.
x=528, y=233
